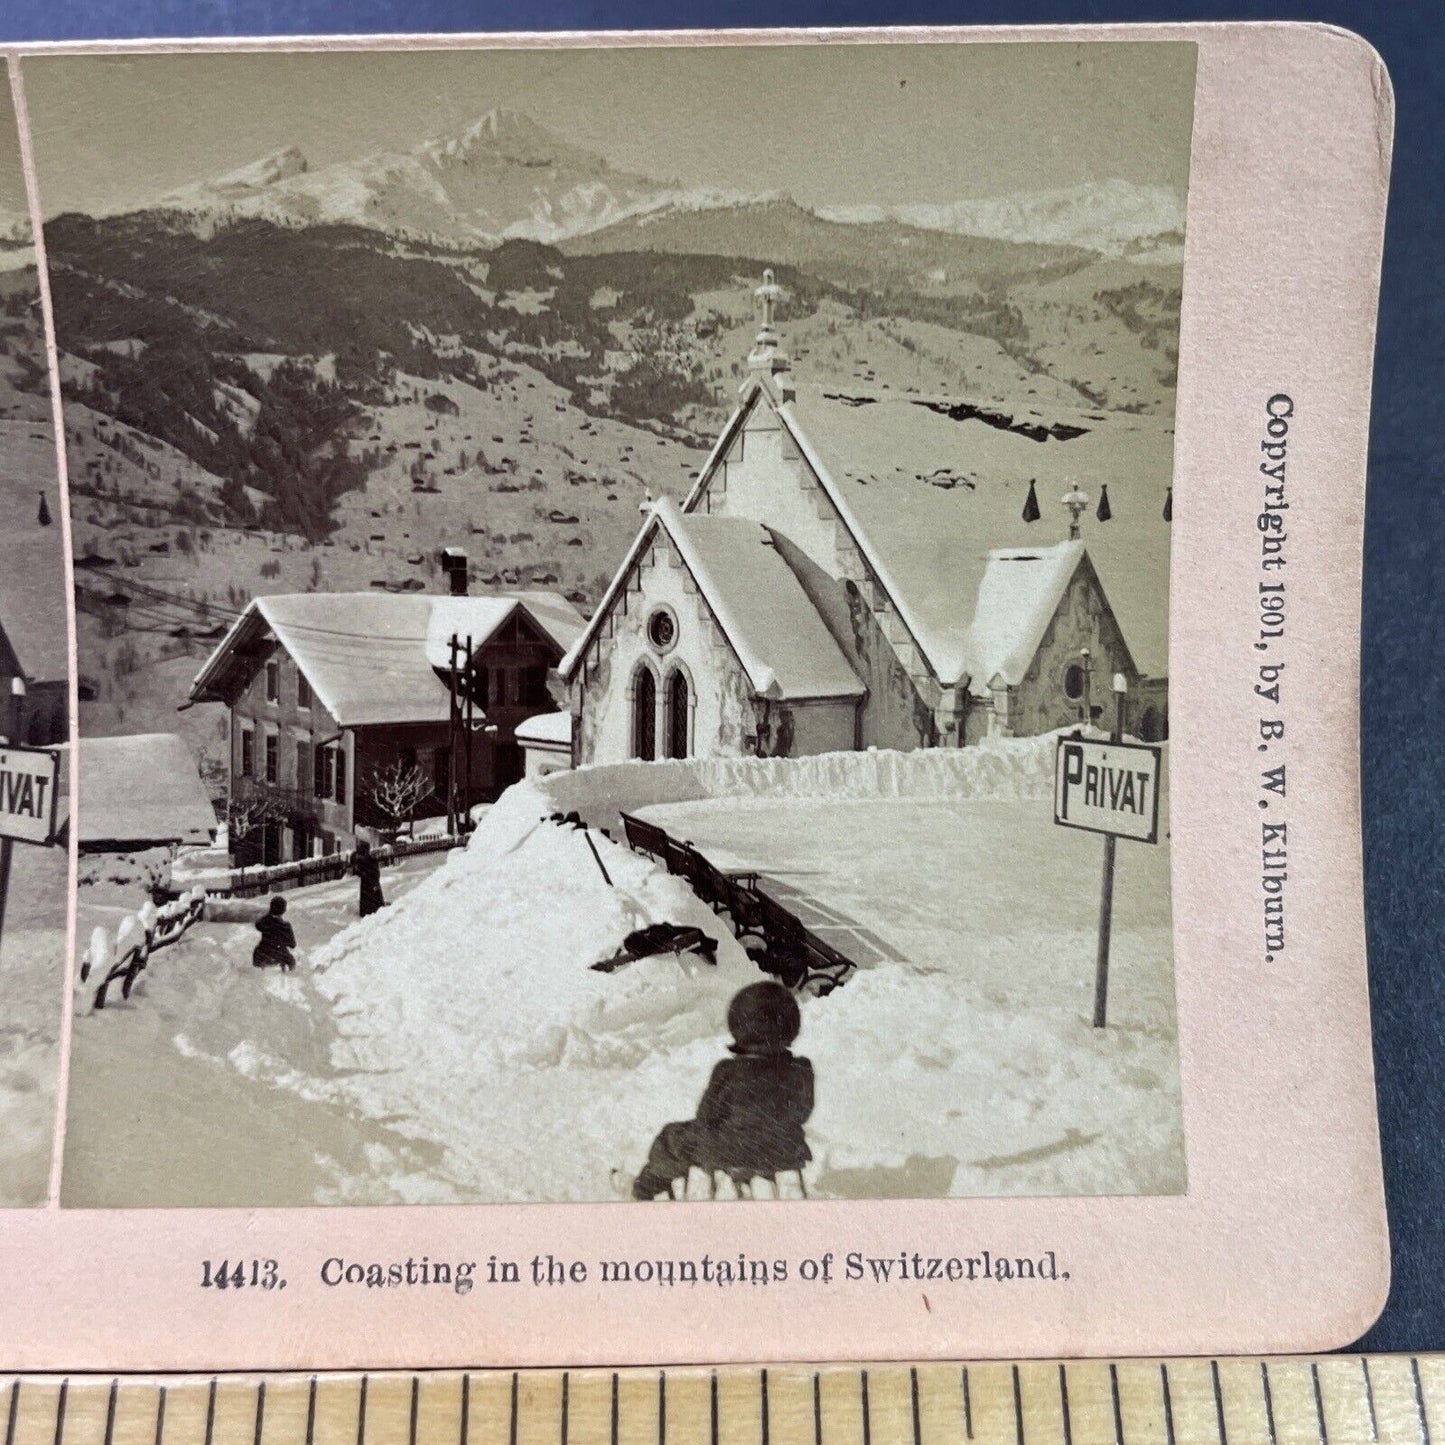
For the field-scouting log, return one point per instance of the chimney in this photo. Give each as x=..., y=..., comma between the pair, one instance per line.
x=454, y=564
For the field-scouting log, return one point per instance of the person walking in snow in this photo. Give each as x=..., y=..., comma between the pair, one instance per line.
x=278, y=938
x=750, y=1118
x=368, y=871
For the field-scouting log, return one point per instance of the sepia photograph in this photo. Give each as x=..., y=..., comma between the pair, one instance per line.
x=34, y=708
x=622, y=605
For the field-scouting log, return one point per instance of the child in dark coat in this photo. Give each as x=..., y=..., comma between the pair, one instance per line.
x=277, y=938
x=750, y=1118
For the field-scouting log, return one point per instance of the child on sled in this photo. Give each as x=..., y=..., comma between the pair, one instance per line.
x=277, y=940
x=750, y=1118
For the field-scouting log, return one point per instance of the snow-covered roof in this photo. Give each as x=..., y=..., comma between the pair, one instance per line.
x=547, y=729
x=478, y=618
x=930, y=486
x=771, y=625
x=1020, y=592
x=32, y=558
x=142, y=790
x=370, y=657
x=364, y=653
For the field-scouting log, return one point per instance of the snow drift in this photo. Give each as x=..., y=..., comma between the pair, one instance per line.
x=468, y=1015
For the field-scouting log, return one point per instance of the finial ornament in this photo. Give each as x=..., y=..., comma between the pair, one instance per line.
x=766, y=355
x=1077, y=501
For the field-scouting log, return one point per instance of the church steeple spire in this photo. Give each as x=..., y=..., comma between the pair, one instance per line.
x=767, y=357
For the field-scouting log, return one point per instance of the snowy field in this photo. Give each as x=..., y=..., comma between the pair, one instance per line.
x=32, y=968
x=459, y=1047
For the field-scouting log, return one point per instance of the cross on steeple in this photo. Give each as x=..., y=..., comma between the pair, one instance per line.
x=766, y=356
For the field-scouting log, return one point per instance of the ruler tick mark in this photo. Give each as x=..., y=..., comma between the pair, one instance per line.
x=110, y=1405
x=361, y=1415
x=662, y=1407
x=1268, y=1401
x=967, y=1407
x=614, y=1414
x=260, y=1411
x=1370, y=1398
x=1420, y=1401
x=763, y=1406
x=913, y=1390
x=160, y=1415
x=1064, y=1405
x=1018, y=1407
x=512, y=1424
x=1319, y=1404
x=464, y=1431
x=712, y=1393
x=1118, y=1412
x=1218, y=1402
x=211, y=1411
x=817, y=1409
x=311, y=1412
x=565, y=1391
x=60, y=1410
x=1168, y=1402
x=411, y=1424
x=867, y=1414
x=14, y=1405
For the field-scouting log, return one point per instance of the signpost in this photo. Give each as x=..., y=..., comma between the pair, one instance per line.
x=1110, y=788
x=29, y=788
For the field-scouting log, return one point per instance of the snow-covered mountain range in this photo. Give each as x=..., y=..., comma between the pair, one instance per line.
x=1115, y=217
x=503, y=176
x=506, y=176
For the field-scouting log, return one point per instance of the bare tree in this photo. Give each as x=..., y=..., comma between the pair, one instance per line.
x=249, y=809
x=397, y=792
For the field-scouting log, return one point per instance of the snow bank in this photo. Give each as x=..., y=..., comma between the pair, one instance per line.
x=998, y=768
x=468, y=1016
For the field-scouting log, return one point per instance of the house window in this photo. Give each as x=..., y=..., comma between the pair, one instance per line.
x=248, y=753
x=644, y=715
x=303, y=690
x=534, y=687
x=1074, y=678
x=340, y=785
x=273, y=758
x=273, y=682
x=303, y=764
x=676, y=714
x=662, y=629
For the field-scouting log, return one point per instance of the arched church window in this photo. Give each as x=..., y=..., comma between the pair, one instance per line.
x=1074, y=681
x=678, y=706
x=644, y=715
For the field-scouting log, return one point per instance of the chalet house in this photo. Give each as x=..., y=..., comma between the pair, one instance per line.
x=34, y=648
x=331, y=694
x=857, y=569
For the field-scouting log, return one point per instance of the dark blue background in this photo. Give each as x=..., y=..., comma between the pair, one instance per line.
x=1405, y=535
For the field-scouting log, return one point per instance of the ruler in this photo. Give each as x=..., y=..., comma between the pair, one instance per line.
x=1332, y=1400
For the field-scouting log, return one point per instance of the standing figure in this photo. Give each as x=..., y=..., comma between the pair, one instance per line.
x=277, y=938
x=750, y=1118
x=368, y=871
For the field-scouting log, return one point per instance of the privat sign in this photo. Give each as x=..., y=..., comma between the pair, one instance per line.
x=1108, y=787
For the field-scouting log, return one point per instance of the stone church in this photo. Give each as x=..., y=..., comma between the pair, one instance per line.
x=857, y=569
